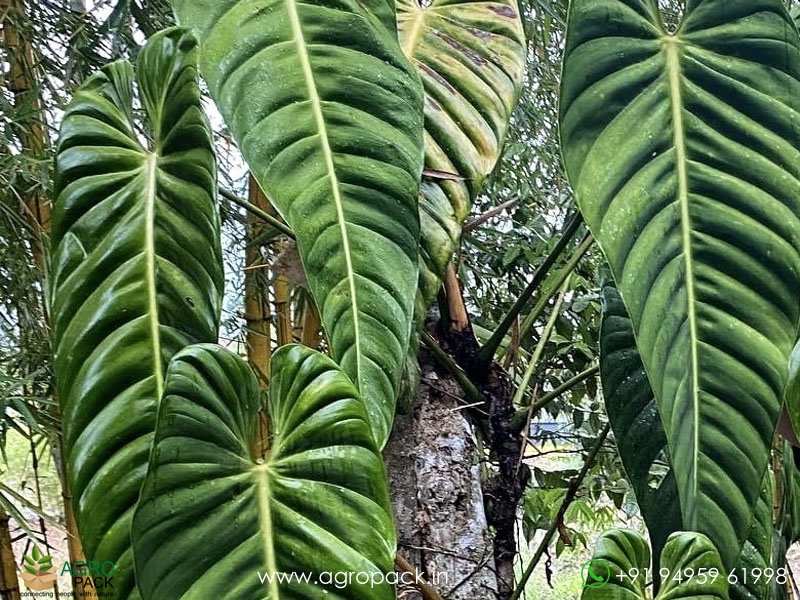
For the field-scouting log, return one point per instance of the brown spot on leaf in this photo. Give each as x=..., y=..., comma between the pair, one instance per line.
x=433, y=103
x=436, y=77
x=471, y=56
x=480, y=33
x=504, y=11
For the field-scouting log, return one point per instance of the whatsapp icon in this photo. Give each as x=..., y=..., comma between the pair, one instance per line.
x=595, y=573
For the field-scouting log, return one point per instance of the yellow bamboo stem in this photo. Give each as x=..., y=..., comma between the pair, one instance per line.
x=256, y=311
x=311, y=324
x=283, y=311
x=30, y=125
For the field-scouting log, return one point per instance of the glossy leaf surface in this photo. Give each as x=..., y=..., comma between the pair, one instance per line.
x=683, y=152
x=642, y=447
x=471, y=58
x=635, y=421
x=212, y=522
x=136, y=275
x=622, y=555
x=328, y=115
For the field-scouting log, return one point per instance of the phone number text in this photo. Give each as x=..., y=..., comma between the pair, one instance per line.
x=706, y=576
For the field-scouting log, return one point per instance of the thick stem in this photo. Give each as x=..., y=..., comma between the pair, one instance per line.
x=433, y=463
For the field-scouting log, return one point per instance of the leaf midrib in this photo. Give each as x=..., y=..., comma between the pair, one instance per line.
x=411, y=40
x=671, y=48
x=151, y=168
x=261, y=474
x=316, y=104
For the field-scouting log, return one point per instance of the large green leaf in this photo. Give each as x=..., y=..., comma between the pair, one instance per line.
x=471, y=57
x=136, y=275
x=212, y=521
x=642, y=445
x=683, y=152
x=328, y=114
x=621, y=557
x=634, y=418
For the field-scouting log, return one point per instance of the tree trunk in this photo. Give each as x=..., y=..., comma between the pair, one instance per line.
x=433, y=463
x=9, y=584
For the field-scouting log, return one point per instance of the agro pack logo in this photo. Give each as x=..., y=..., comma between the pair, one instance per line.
x=39, y=574
x=93, y=576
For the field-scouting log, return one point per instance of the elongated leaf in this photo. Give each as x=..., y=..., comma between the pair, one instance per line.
x=642, y=443
x=136, y=275
x=634, y=418
x=621, y=557
x=683, y=152
x=471, y=57
x=212, y=521
x=328, y=114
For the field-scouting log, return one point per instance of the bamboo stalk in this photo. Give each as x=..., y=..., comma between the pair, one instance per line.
x=311, y=324
x=282, y=310
x=256, y=311
x=30, y=126
x=9, y=584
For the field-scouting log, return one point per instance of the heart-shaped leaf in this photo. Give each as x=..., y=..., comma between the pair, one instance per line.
x=136, y=275
x=619, y=569
x=328, y=115
x=212, y=522
x=684, y=153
